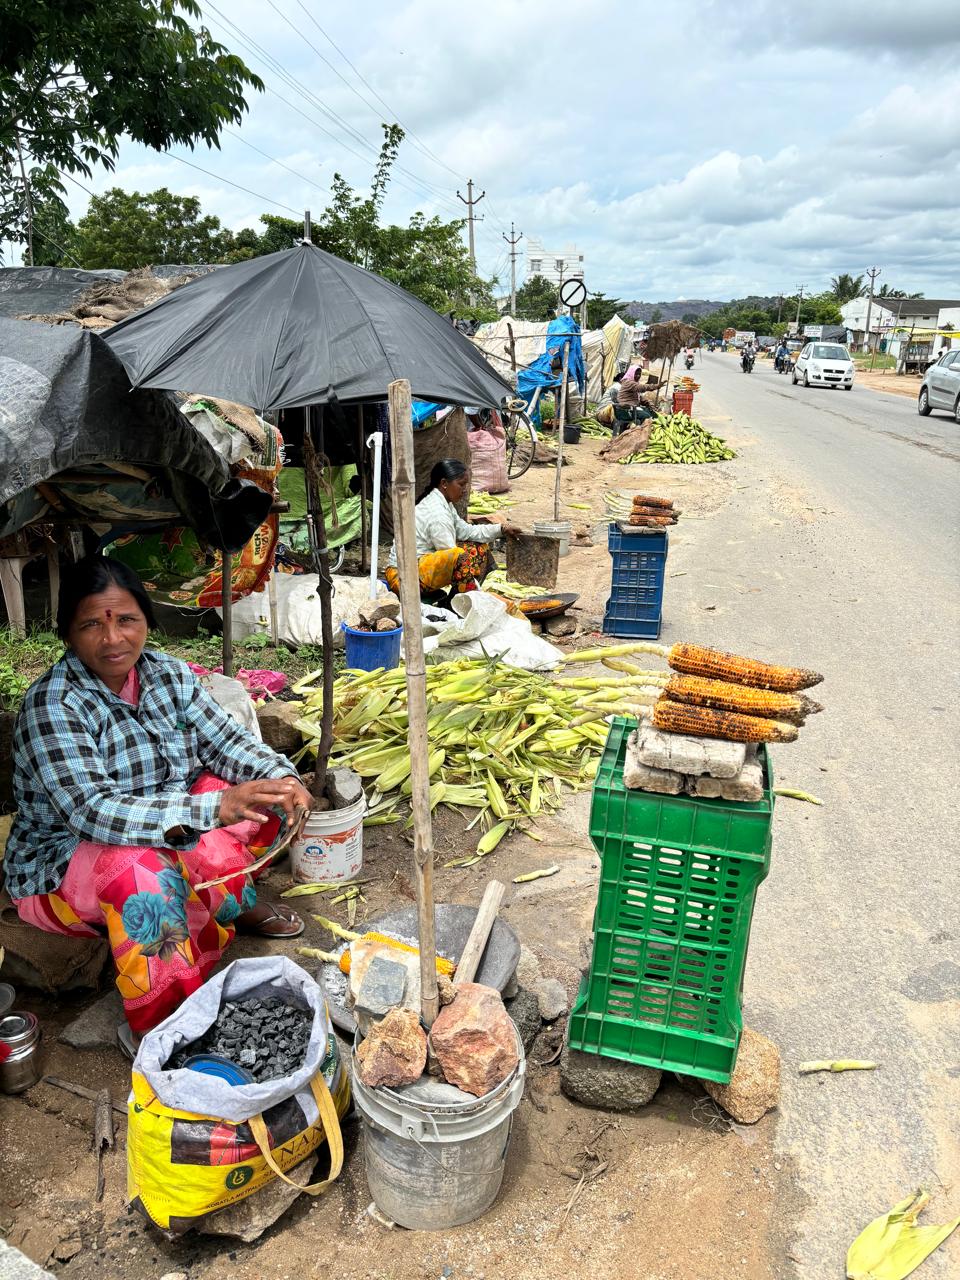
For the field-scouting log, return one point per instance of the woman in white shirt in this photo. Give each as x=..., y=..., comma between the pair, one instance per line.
x=452, y=555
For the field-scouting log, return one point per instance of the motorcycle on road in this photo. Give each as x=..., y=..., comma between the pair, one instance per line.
x=746, y=361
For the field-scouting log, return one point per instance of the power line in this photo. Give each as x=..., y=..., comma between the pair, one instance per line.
x=231, y=183
x=274, y=160
x=423, y=146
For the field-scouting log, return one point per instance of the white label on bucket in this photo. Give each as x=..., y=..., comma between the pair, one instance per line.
x=337, y=856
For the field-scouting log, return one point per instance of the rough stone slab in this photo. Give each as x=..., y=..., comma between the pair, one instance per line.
x=474, y=1039
x=524, y=1009
x=638, y=776
x=562, y=626
x=344, y=788
x=606, y=1082
x=276, y=720
x=96, y=1027
x=361, y=956
x=551, y=999
x=754, y=1087
x=746, y=786
x=528, y=968
x=247, y=1219
x=385, y=605
x=382, y=989
x=395, y=1051
x=686, y=754
x=16, y=1266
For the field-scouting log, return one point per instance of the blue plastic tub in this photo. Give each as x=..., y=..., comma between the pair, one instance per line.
x=367, y=650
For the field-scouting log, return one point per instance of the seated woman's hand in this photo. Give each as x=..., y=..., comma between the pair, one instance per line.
x=512, y=530
x=247, y=800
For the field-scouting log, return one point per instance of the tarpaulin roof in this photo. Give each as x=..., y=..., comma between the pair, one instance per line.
x=562, y=331
x=298, y=328
x=66, y=405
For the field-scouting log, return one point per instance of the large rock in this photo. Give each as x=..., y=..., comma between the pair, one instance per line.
x=685, y=753
x=754, y=1087
x=385, y=605
x=96, y=1027
x=344, y=788
x=562, y=626
x=277, y=725
x=606, y=1082
x=395, y=1051
x=474, y=1039
x=247, y=1219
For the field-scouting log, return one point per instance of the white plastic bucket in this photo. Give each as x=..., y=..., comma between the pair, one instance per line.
x=432, y=1167
x=559, y=529
x=330, y=847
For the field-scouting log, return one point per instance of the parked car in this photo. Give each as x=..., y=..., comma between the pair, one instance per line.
x=824, y=364
x=940, y=388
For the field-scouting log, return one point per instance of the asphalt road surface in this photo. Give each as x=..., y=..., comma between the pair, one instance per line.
x=838, y=549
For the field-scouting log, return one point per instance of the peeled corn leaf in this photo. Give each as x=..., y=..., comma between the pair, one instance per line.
x=314, y=953
x=796, y=795
x=337, y=930
x=893, y=1246
x=305, y=890
x=536, y=875
x=837, y=1064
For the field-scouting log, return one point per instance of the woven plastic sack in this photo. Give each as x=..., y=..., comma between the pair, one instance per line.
x=488, y=458
x=196, y=1144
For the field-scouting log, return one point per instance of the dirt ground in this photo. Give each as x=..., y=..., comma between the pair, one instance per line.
x=907, y=384
x=686, y=1194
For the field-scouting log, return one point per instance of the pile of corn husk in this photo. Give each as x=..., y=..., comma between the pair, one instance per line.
x=503, y=742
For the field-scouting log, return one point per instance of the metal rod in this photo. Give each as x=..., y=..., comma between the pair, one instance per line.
x=375, y=442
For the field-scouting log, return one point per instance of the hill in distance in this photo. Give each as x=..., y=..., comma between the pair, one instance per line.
x=642, y=311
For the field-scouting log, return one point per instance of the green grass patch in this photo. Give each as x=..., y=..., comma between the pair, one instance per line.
x=879, y=361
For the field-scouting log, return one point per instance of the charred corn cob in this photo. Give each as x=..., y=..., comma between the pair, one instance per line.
x=443, y=966
x=655, y=511
x=642, y=500
x=651, y=522
x=724, y=696
x=695, y=660
x=702, y=722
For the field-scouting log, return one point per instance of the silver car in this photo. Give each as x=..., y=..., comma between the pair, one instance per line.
x=824, y=364
x=940, y=388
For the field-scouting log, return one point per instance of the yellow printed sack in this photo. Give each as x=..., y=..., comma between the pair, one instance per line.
x=196, y=1144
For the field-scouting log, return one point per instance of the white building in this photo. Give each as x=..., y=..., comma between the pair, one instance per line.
x=854, y=317
x=553, y=266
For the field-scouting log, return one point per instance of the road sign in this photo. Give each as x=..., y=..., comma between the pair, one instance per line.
x=573, y=292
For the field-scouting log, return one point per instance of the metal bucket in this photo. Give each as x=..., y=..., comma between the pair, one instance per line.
x=431, y=1164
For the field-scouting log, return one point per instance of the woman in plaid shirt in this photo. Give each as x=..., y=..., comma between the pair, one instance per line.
x=132, y=787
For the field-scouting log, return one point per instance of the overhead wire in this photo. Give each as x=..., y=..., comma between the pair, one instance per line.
x=256, y=194
x=273, y=159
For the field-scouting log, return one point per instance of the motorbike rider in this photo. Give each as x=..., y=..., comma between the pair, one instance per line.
x=782, y=355
x=748, y=355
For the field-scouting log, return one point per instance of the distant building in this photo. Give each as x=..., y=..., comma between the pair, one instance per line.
x=553, y=266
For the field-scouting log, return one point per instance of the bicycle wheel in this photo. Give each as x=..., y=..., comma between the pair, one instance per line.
x=521, y=446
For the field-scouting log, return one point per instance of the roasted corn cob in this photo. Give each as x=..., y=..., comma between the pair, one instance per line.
x=651, y=522
x=642, y=500
x=702, y=722
x=724, y=696
x=695, y=660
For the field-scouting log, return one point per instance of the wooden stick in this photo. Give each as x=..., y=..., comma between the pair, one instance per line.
x=311, y=471
x=404, y=528
x=477, y=941
x=226, y=607
x=103, y=1135
x=561, y=419
x=69, y=1087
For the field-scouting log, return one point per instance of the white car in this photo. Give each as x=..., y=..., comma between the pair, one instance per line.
x=824, y=364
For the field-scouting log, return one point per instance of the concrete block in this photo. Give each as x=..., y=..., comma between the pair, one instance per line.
x=344, y=788
x=606, y=1082
x=638, y=776
x=684, y=753
x=747, y=786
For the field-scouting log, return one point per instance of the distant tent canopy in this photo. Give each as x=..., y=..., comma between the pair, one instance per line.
x=546, y=371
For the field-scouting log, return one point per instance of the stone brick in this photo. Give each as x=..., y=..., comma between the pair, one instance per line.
x=686, y=754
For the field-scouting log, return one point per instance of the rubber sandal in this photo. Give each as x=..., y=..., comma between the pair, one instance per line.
x=278, y=915
x=128, y=1040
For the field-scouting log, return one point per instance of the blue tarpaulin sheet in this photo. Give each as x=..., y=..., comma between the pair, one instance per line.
x=541, y=373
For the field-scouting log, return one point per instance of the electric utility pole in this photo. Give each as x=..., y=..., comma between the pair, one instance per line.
x=513, y=241
x=799, y=300
x=872, y=272
x=470, y=202
x=779, y=306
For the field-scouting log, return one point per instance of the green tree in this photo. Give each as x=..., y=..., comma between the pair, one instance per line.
x=844, y=288
x=126, y=229
x=886, y=292
x=600, y=309
x=537, y=299
x=76, y=76
x=656, y=315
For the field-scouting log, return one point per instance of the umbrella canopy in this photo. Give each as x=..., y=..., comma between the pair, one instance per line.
x=297, y=328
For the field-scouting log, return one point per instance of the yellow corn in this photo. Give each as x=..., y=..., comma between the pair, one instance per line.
x=676, y=717
x=443, y=966
x=695, y=660
x=724, y=696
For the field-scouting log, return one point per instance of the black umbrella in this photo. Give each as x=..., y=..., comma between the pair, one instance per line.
x=298, y=328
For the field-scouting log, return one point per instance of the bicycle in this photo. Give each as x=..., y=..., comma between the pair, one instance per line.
x=521, y=440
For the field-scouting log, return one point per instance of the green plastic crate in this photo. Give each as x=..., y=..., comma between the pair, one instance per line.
x=678, y=881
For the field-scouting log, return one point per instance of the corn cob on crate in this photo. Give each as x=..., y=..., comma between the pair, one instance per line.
x=636, y=582
x=678, y=880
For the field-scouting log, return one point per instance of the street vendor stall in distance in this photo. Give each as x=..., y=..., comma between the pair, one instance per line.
x=452, y=555
x=133, y=787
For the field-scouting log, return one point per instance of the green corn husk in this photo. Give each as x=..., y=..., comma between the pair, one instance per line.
x=893, y=1245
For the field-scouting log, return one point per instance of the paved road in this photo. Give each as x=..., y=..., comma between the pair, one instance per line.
x=838, y=549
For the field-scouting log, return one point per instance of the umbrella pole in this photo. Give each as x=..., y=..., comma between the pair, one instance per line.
x=226, y=608
x=311, y=471
x=561, y=412
x=404, y=497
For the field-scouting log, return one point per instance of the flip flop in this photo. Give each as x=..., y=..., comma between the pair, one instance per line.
x=267, y=927
x=127, y=1039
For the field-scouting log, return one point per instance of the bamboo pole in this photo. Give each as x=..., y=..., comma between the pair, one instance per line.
x=561, y=412
x=404, y=498
x=311, y=472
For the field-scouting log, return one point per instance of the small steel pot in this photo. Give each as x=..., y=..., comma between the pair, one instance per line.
x=19, y=1052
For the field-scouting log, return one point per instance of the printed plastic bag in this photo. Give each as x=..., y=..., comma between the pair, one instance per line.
x=196, y=1144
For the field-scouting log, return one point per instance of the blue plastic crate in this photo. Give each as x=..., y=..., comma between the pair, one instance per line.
x=632, y=628
x=639, y=561
x=637, y=541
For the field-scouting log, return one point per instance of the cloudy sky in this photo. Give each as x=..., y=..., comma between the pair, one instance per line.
x=697, y=149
